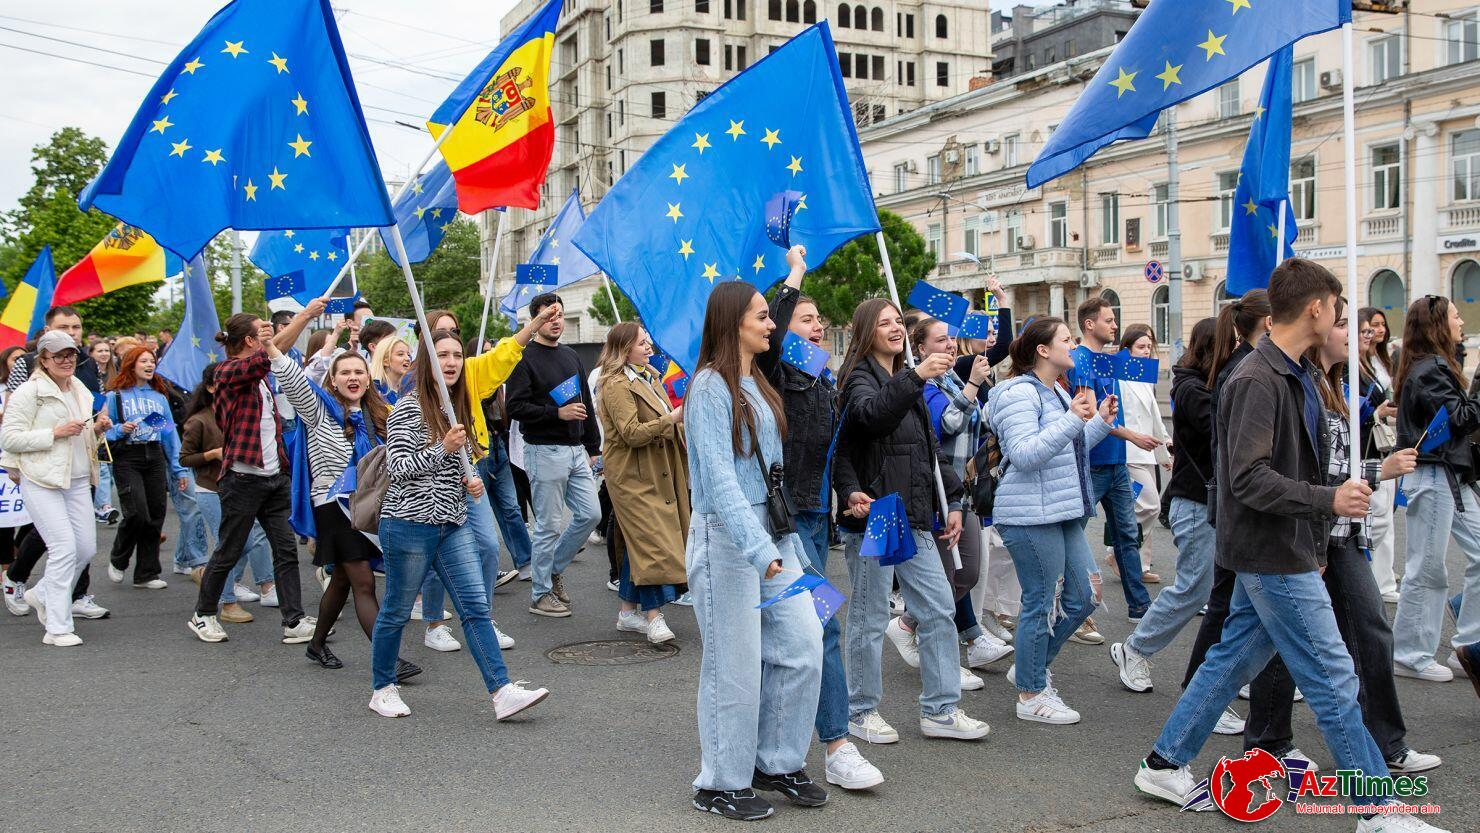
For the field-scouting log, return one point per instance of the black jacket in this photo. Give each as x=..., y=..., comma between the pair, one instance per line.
x=1429, y=386
x=542, y=370
x=890, y=446
x=811, y=413
x=1274, y=511
x=1192, y=426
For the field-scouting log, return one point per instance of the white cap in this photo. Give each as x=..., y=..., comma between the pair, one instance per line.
x=55, y=341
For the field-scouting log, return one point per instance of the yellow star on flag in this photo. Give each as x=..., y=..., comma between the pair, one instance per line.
x=796, y=165
x=300, y=147
x=1169, y=75
x=213, y=156
x=673, y=212
x=710, y=272
x=298, y=247
x=737, y=129
x=679, y=173
x=420, y=212
x=313, y=255
x=167, y=97
x=1240, y=4
x=436, y=213
x=760, y=263
x=251, y=191
x=686, y=249
x=210, y=357
x=301, y=104
x=701, y=141
x=277, y=179
x=1251, y=207
x=772, y=138
x=1274, y=231
x=802, y=203
x=1124, y=82
x=180, y=147
x=416, y=188
x=555, y=261
x=280, y=62
x=194, y=342
x=234, y=49
x=333, y=255
x=289, y=233
x=1213, y=45
x=193, y=65
x=1258, y=111
x=159, y=126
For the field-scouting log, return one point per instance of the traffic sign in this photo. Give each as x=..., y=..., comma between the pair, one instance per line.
x=1154, y=271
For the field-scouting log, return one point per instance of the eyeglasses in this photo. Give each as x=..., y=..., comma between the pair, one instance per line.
x=1367, y=332
x=65, y=357
x=1433, y=301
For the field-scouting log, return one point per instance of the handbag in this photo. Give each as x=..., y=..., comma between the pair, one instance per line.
x=780, y=509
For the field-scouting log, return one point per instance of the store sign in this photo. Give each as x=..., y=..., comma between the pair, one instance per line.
x=1007, y=195
x=1459, y=243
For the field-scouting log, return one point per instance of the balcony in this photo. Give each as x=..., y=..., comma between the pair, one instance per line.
x=1220, y=242
x=1382, y=228
x=1306, y=235
x=1160, y=249
x=1457, y=217
x=1013, y=269
x=1104, y=255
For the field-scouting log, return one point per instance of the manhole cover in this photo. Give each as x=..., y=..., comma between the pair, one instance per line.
x=610, y=652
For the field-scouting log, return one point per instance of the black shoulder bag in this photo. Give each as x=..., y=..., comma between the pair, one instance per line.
x=780, y=509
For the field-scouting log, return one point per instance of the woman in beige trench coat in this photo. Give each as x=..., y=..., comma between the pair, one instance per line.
x=647, y=477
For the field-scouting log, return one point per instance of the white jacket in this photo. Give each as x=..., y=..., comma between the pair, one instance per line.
x=26, y=441
x=1143, y=414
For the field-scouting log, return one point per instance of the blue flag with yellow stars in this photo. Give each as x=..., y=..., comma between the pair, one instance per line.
x=282, y=286
x=254, y=125
x=195, y=343
x=803, y=354
x=423, y=213
x=887, y=536
x=316, y=255
x=692, y=211
x=555, y=250
x=1263, y=183
x=567, y=390
x=1173, y=52
x=940, y=304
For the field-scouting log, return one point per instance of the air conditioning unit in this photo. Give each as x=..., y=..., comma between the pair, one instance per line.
x=991, y=145
x=912, y=166
x=1088, y=279
x=1026, y=242
x=953, y=156
x=1331, y=79
x=1193, y=270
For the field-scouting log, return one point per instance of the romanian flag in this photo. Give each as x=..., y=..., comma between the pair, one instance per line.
x=502, y=131
x=26, y=312
x=127, y=256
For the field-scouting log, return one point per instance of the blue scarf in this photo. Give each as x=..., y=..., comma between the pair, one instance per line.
x=363, y=440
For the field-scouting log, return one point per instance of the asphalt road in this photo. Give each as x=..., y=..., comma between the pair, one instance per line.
x=143, y=728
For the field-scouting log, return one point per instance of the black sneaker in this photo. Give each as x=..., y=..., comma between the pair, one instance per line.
x=796, y=786
x=406, y=670
x=741, y=805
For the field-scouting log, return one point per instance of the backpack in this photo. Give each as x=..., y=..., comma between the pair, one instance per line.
x=984, y=473
x=371, y=483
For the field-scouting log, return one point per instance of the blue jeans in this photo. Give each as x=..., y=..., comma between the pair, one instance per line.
x=192, y=549
x=927, y=594
x=498, y=479
x=480, y=521
x=411, y=550
x=257, y=553
x=1112, y=485
x=832, y=703
x=103, y=492
x=1291, y=614
x=758, y=666
x=1175, y=606
x=1432, y=521
x=1044, y=555
x=559, y=478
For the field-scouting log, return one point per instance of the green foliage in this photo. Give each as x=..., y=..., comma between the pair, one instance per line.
x=448, y=279
x=601, y=307
x=165, y=315
x=854, y=273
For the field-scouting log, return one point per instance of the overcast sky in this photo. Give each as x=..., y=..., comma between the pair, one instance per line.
x=112, y=51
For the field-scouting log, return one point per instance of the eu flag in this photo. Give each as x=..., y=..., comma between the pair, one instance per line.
x=567, y=263
x=316, y=255
x=283, y=286
x=195, y=344
x=567, y=390
x=1437, y=432
x=977, y=325
x=1254, y=249
x=692, y=211
x=423, y=213
x=1128, y=368
x=887, y=536
x=803, y=354
x=254, y=125
x=1173, y=52
x=780, y=210
x=940, y=304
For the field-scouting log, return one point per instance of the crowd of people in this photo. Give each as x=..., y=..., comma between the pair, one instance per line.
x=426, y=463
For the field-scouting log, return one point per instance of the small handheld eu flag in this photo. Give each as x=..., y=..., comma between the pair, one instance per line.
x=567, y=390
x=803, y=354
x=1437, y=432
x=977, y=325
x=887, y=536
x=283, y=285
x=779, y=211
x=1130, y=368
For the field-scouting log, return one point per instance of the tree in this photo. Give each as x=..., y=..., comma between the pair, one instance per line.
x=601, y=307
x=448, y=279
x=218, y=260
x=854, y=273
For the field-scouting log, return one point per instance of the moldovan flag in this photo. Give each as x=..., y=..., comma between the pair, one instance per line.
x=26, y=312
x=502, y=130
x=127, y=256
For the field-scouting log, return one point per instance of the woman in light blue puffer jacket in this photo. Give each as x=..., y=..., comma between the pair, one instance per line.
x=1041, y=502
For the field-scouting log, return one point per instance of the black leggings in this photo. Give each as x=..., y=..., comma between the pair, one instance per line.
x=348, y=576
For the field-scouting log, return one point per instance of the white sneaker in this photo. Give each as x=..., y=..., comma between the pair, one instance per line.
x=1412, y=761
x=1397, y=823
x=207, y=628
x=686, y=600
x=612, y=585
x=658, y=631
x=180, y=571
x=153, y=584
x=896, y=604
x=1390, y=597
x=441, y=639
x=115, y=575
x=87, y=608
x=270, y=599
x=1174, y=785
x=15, y=597
x=416, y=609
x=985, y=650
x=245, y=594
x=1296, y=753
x=1046, y=707
x=524, y=574
x=1452, y=662
x=1243, y=693
x=954, y=725
x=387, y=702
x=850, y=770
x=319, y=573
x=1433, y=672
x=595, y=538
x=632, y=621
x=873, y=729
x=514, y=698
x=989, y=623
x=301, y=632
x=61, y=640
x=1011, y=676
x=904, y=641
x=505, y=642
x=1229, y=723
x=504, y=577
x=1135, y=669
x=970, y=681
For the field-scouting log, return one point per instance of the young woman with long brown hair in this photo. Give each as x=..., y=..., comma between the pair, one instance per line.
x=1377, y=387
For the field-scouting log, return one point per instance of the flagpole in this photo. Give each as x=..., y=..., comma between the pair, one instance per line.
x=498, y=239
x=236, y=272
x=909, y=360
x=616, y=314
x=421, y=318
x=1349, y=146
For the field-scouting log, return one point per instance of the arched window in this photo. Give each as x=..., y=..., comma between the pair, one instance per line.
x=942, y=28
x=809, y=12
x=773, y=9
x=1221, y=298
x=1465, y=290
x=860, y=17
x=793, y=11
x=845, y=16
x=1161, y=306
x=1386, y=292
x=1113, y=299
x=876, y=19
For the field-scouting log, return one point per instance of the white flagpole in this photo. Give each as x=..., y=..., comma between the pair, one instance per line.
x=1279, y=249
x=612, y=298
x=421, y=317
x=1349, y=145
x=498, y=239
x=909, y=359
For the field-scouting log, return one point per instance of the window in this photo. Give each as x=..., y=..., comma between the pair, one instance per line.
x=1227, y=184
x=1058, y=225
x=793, y=11
x=655, y=6
x=860, y=17
x=1387, y=294
x=741, y=62
x=942, y=74
x=1228, y=99
x=970, y=231
x=621, y=62
x=729, y=57
x=607, y=21
x=909, y=74
x=701, y=6
x=1109, y=219
x=809, y=12
x=660, y=106
x=739, y=9
x=845, y=64
x=845, y=16
x=656, y=52
x=1303, y=188
x=876, y=63
x=701, y=52
x=1461, y=39
x=1465, y=291
x=1112, y=298
x=1386, y=176
x=1161, y=309
x=1012, y=227
x=773, y=9
x=932, y=239
x=1010, y=144
x=909, y=25
x=901, y=176
x=941, y=26
x=932, y=170
x=1465, y=164
x=608, y=77
x=1303, y=80
x=1069, y=51
x=622, y=114
x=860, y=66
x=1161, y=199
x=608, y=124
x=1221, y=298
x=1384, y=59
x=881, y=113
x=1028, y=61
x=973, y=160
x=876, y=19
x=572, y=51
